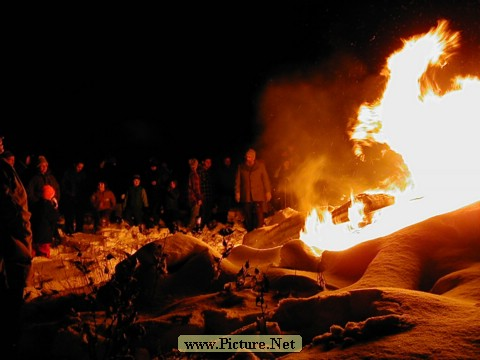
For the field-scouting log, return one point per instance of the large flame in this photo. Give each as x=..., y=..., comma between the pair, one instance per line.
x=435, y=132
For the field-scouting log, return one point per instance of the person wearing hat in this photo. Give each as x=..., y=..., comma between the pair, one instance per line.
x=45, y=218
x=253, y=190
x=15, y=252
x=9, y=157
x=43, y=176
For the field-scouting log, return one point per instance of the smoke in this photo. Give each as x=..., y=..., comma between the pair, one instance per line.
x=307, y=118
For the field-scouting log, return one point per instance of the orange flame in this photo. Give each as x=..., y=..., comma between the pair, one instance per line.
x=436, y=135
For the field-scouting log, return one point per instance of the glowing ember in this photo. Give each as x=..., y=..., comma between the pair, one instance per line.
x=436, y=134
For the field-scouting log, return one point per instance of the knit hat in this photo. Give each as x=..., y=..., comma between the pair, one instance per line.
x=136, y=176
x=48, y=192
x=41, y=159
x=7, y=154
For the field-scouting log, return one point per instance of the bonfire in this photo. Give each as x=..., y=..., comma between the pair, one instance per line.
x=391, y=273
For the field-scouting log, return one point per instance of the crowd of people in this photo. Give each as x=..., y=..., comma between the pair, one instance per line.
x=35, y=204
x=153, y=195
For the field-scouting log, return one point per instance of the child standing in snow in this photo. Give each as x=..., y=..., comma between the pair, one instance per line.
x=44, y=221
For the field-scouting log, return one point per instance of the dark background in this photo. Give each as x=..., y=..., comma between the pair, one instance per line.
x=180, y=81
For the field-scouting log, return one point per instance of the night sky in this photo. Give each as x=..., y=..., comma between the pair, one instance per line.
x=177, y=81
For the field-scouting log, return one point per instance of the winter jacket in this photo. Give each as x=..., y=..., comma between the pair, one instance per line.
x=15, y=229
x=135, y=205
x=36, y=183
x=136, y=198
x=73, y=185
x=252, y=183
x=45, y=217
x=103, y=200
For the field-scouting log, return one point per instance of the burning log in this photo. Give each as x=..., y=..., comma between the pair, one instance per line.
x=371, y=203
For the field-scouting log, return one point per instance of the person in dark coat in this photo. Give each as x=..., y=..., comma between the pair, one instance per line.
x=208, y=192
x=155, y=192
x=253, y=190
x=15, y=252
x=173, y=212
x=42, y=176
x=225, y=185
x=45, y=218
x=194, y=194
x=74, y=197
x=136, y=203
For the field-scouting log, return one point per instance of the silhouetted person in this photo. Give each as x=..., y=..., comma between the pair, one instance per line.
x=173, y=214
x=194, y=194
x=208, y=191
x=9, y=157
x=225, y=186
x=155, y=192
x=136, y=203
x=110, y=172
x=74, y=197
x=15, y=253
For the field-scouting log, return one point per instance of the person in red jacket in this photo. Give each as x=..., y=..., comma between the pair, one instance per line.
x=253, y=190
